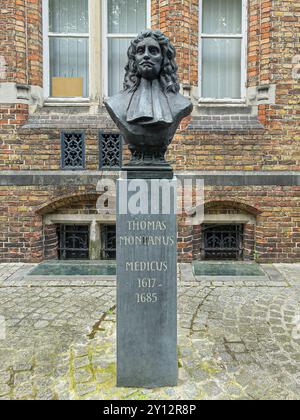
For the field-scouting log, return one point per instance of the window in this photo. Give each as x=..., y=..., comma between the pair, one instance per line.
x=223, y=38
x=108, y=242
x=73, y=242
x=223, y=242
x=85, y=46
x=110, y=151
x=72, y=150
x=124, y=19
x=68, y=42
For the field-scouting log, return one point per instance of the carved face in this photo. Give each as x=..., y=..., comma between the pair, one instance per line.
x=149, y=58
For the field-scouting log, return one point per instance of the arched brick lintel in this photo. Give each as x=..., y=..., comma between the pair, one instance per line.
x=238, y=205
x=66, y=200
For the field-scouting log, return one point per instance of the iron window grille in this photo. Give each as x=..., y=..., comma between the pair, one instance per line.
x=73, y=242
x=108, y=236
x=221, y=242
x=110, y=148
x=73, y=150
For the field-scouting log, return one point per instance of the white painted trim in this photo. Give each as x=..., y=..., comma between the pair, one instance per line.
x=95, y=72
x=221, y=36
x=149, y=14
x=71, y=35
x=46, y=54
x=90, y=72
x=121, y=36
x=67, y=101
x=221, y=101
x=200, y=48
x=78, y=218
x=104, y=49
x=244, y=60
x=230, y=218
x=46, y=60
x=242, y=36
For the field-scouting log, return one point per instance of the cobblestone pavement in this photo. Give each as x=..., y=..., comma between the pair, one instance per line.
x=237, y=339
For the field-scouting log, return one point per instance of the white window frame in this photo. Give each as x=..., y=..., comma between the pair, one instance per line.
x=107, y=36
x=243, y=36
x=94, y=35
x=98, y=52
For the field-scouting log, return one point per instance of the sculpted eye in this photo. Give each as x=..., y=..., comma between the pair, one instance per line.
x=140, y=50
x=154, y=50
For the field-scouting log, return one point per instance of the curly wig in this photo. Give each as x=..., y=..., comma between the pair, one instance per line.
x=168, y=76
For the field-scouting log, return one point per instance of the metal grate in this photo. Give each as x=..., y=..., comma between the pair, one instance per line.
x=108, y=251
x=110, y=150
x=73, y=242
x=73, y=150
x=221, y=242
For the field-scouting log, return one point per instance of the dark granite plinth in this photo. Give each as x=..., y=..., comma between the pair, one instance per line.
x=146, y=298
x=146, y=172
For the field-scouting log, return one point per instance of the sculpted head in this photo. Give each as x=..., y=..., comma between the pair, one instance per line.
x=151, y=56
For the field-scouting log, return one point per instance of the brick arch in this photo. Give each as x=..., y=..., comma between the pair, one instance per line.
x=193, y=235
x=66, y=200
x=238, y=205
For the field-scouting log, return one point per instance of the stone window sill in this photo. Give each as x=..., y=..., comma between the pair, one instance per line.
x=223, y=116
x=221, y=102
x=67, y=102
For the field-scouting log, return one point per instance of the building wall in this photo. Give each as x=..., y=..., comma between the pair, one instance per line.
x=261, y=136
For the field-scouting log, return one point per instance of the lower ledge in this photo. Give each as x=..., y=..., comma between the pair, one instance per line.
x=211, y=178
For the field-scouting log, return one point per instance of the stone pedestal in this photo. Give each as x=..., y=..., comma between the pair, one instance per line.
x=147, y=289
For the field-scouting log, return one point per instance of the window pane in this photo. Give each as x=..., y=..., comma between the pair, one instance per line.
x=221, y=67
x=117, y=60
x=222, y=16
x=69, y=64
x=127, y=16
x=68, y=16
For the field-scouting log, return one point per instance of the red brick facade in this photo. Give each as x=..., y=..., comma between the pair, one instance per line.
x=30, y=139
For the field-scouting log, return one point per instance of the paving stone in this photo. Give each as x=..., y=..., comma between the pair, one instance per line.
x=81, y=362
x=235, y=339
x=4, y=389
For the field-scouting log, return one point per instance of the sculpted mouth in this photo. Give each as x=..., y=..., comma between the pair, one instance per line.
x=147, y=64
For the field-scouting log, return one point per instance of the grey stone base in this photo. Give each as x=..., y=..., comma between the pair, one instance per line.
x=146, y=301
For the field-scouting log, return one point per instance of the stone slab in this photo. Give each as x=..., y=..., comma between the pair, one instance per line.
x=146, y=299
x=220, y=178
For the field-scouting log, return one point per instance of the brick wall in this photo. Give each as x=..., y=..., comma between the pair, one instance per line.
x=50, y=242
x=33, y=142
x=21, y=41
x=21, y=61
x=276, y=233
x=273, y=44
x=22, y=234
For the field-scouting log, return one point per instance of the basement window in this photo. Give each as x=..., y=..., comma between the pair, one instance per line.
x=73, y=242
x=223, y=242
x=108, y=242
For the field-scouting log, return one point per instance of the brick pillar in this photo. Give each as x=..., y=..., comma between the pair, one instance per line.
x=249, y=241
x=50, y=242
x=178, y=19
x=197, y=242
x=185, y=241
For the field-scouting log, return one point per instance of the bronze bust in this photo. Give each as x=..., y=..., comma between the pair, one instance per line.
x=150, y=108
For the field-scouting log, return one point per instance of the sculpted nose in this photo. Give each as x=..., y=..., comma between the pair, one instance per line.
x=146, y=54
